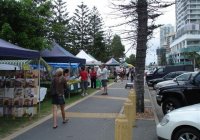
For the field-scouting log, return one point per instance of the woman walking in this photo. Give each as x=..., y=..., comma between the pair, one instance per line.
x=59, y=83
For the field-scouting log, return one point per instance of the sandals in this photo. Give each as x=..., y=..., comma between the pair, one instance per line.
x=65, y=121
x=54, y=127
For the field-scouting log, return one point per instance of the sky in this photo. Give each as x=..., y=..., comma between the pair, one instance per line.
x=104, y=8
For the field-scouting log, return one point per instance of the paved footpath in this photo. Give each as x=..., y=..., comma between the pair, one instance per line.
x=91, y=118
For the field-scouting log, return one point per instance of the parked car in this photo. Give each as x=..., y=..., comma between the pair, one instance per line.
x=180, y=124
x=163, y=70
x=176, y=96
x=169, y=76
x=179, y=80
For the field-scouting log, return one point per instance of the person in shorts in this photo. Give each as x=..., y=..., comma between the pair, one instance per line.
x=104, y=76
x=58, y=85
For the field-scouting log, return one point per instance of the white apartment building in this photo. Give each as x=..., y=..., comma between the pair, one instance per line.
x=187, y=38
x=165, y=32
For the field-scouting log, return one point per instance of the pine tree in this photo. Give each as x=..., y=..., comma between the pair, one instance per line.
x=80, y=29
x=117, y=47
x=95, y=32
x=141, y=15
x=60, y=24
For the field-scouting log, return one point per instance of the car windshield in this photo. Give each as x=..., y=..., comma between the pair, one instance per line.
x=169, y=75
x=185, y=76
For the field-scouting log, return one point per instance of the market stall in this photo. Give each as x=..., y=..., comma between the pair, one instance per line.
x=112, y=62
x=58, y=56
x=18, y=88
x=90, y=60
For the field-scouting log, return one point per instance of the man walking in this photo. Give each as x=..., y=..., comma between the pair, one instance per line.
x=104, y=76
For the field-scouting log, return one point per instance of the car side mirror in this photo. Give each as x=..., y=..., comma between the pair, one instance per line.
x=175, y=79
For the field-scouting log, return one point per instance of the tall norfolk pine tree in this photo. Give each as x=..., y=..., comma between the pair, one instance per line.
x=80, y=28
x=60, y=24
x=96, y=34
x=117, y=47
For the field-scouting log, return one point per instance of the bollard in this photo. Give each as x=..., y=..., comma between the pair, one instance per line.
x=128, y=111
x=122, y=128
x=132, y=97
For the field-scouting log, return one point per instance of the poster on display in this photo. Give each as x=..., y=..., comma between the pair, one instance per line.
x=18, y=96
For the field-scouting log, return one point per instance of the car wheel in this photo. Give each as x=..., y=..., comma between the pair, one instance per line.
x=186, y=133
x=170, y=104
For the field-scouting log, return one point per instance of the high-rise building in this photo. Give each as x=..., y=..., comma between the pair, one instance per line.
x=165, y=32
x=187, y=38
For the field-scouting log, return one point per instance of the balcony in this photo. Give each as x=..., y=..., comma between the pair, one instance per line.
x=183, y=63
x=191, y=49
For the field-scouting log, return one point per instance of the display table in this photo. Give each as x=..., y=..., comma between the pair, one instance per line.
x=74, y=87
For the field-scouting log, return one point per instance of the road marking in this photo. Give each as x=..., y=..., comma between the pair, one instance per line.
x=115, y=88
x=91, y=115
x=109, y=97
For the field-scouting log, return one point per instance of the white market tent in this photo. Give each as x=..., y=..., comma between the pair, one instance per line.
x=90, y=60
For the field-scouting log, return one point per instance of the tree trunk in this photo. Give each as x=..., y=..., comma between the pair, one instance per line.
x=141, y=52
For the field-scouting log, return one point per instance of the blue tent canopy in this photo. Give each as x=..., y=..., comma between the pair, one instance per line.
x=57, y=54
x=11, y=51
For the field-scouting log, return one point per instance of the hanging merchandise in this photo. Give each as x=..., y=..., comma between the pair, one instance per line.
x=18, y=93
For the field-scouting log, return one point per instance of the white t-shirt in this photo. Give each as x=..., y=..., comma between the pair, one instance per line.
x=104, y=74
x=99, y=74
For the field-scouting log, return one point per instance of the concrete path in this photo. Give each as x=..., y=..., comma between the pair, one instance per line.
x=91, y=118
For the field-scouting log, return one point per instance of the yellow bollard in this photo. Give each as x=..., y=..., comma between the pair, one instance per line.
x=121, y=128
x=128, y=111
x=132, y=97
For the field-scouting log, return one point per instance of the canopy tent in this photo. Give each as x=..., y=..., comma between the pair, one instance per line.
x=125, y=64
x=11, y=51
x=112, y=62
x=130, y=65
x=90, y=60
x=60, y=55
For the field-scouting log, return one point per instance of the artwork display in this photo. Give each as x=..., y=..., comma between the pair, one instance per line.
x=18, y=96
